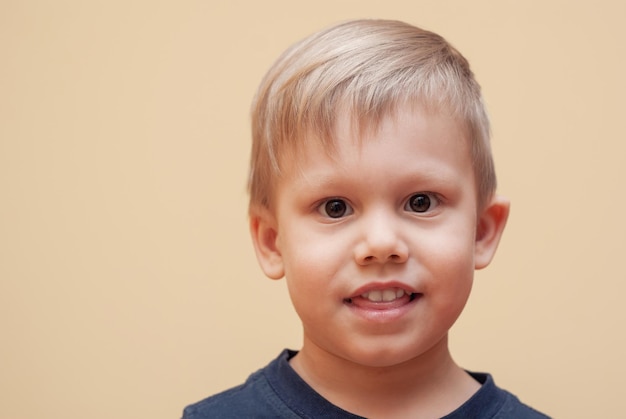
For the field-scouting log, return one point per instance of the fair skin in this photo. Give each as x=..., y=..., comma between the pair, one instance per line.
x=378, y=245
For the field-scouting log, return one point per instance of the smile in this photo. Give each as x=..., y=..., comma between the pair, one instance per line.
x=384, y=295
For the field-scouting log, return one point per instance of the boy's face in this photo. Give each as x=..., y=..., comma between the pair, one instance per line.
x=379, y=243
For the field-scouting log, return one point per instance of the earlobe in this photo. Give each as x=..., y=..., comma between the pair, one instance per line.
x=264, y=232
x=491, y=223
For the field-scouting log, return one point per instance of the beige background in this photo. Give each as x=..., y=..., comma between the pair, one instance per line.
x=128, y=286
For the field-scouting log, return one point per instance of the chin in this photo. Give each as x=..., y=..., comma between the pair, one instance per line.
x=384, y=354
x=381, y=357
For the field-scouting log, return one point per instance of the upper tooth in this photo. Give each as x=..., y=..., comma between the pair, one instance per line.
x=384, y=295
x=376, y=295
x=389, y=295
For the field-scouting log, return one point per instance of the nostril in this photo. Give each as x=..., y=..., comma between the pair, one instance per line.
x=393, y=258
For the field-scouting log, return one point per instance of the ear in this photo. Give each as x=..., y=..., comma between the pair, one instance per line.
x=264, y=232
x=491, y=222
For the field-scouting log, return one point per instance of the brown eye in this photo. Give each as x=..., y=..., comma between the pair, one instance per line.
x=335, y=208
x=420, y=202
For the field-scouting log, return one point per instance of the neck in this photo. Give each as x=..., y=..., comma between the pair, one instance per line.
x=430, y=385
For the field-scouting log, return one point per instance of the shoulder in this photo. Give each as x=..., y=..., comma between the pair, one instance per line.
x=494, y=403
x=513, y=408
x=236, y=402
x=254, y=398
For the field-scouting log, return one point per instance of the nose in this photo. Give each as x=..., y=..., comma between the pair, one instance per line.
x=381, y=242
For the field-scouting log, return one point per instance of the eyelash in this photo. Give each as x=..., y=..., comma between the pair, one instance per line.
x=344, y=209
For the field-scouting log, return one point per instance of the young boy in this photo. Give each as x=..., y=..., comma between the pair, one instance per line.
x=372, y=192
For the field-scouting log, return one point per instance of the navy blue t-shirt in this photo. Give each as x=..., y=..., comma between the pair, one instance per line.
x=277, y=391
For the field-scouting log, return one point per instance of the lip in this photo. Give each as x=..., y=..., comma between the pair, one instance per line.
x=382, y=311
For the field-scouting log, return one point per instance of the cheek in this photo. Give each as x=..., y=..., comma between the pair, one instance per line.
x=315, y=269
x=307, y=248
x=309, y=273
x=311, y=260
x=448, y=256
x=450, y=248
x=450, y=274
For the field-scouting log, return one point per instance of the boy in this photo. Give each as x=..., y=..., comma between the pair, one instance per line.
x=372, y=191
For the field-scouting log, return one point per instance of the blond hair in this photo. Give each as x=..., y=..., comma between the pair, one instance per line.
x=367, y=68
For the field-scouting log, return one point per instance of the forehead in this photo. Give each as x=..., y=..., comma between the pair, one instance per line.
x=416, y=124
x=412, y=140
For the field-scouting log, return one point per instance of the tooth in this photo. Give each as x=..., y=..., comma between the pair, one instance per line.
x=399, y=293
x=375, y=295
x=389, y=295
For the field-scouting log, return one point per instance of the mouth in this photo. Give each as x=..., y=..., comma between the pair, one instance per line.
x=383, y=296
